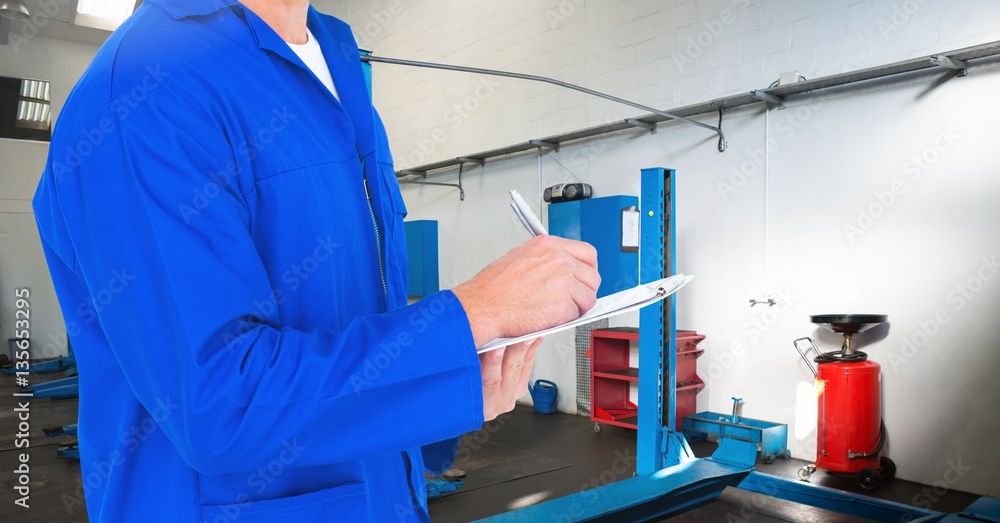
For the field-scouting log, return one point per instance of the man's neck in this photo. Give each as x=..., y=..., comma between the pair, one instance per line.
x=286, y=17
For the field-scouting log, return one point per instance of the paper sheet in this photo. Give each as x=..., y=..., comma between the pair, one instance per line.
x=610, y=305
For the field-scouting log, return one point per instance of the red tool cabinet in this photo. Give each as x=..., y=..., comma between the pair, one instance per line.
x=611, y=376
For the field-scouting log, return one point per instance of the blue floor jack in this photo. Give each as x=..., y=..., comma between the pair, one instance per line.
x=669, y=478
x=70, y=450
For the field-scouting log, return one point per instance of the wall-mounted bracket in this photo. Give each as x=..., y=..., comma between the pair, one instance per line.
x=423, y=175
x=478, y=161
x=649, y=126
x=950, y=63
x=772, y=99
x=543, y=144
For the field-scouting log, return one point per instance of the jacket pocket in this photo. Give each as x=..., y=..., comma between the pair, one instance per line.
x=347, y=503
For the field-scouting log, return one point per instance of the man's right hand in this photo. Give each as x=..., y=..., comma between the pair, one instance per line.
x=544, y=282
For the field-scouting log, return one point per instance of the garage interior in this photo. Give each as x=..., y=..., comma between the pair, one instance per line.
x=827, y=172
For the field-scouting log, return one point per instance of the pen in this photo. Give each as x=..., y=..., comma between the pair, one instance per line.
x=525, y=215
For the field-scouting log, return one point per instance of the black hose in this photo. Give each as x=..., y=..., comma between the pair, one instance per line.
x=878, y=448
x=832, y=356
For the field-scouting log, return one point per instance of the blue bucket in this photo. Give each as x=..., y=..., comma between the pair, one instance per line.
x=543, y=394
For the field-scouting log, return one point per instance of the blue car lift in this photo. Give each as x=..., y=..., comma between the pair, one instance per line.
x=669, y=479
x=57, y=390
x=66, y=365
x=69, y=450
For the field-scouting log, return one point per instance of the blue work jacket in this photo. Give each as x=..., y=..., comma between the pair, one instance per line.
x=226, y=243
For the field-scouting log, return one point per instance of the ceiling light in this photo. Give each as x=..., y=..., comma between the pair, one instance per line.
x=14, y=9
x=103, y=14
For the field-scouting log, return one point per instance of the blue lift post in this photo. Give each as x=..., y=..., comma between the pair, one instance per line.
x=669, y=479
x=657, y=328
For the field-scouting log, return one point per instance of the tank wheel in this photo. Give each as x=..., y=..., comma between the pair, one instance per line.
x=869, y=479
x=597, y=427
x=786, y=454
x=769, y=458
x=806, y=471
x=887, y=468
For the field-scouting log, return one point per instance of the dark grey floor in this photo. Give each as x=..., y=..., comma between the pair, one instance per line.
x=595, y=458
x=600, y=458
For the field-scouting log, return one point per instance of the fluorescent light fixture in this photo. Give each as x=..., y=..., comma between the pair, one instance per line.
x=33, y=105
x=14, y=9
x=103, y=14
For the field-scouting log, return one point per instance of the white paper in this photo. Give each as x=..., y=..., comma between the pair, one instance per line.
x=630, y=229
x=610, y=305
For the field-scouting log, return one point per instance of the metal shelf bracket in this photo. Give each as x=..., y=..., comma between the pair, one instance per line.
x=543, y=144
x=423, y=181
x=954, y=64
x=772, y=99
x=649, y=126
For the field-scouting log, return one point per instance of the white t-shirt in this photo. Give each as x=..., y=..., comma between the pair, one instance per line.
x=312, y=55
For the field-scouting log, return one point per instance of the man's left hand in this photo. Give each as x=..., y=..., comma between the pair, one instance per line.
x=505, y=376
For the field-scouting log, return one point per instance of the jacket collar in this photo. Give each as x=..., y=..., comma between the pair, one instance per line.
x=339, y=49
x=185, y=8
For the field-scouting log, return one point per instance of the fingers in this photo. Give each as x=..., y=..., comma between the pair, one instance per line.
x=529, y=362
x=491, y=365
x=584, y=298
x=513, y=364
x=505, y=376
x=588, y=276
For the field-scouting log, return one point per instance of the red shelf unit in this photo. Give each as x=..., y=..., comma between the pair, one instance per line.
x=611, y=376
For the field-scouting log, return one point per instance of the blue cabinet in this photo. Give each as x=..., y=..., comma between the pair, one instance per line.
x=422, y=254
x=598, y=221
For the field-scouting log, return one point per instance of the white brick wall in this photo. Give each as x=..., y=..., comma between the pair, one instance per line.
x=655, y=52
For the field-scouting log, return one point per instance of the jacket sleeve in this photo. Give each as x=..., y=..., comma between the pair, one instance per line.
x=187, y=326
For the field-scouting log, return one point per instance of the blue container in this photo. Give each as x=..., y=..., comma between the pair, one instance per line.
x=598, y=221
x=543, y=394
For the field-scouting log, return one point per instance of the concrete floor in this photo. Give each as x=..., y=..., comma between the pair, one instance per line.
x=600, y=458
x=597, y=458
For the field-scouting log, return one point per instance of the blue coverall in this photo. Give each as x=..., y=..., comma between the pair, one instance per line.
x=226, y=243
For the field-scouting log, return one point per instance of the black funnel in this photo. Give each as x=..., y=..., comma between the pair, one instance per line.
x=849, y=323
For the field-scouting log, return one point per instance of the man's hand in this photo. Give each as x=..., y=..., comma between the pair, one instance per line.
x=505, y=376
x=544, y=282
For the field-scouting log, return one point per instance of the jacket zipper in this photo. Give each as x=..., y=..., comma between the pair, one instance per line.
x=378, y=241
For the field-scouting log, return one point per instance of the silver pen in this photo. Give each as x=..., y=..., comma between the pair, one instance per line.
x=525, y=215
